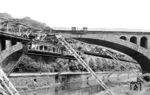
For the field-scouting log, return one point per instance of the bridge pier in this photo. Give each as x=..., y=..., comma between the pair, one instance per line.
x=0, y=46
x=148, y=44
x=138, y=41
x=5, y=44
x=18, y=43
x=8, y=44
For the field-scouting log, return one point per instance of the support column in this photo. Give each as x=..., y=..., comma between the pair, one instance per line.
x=148, y=43
x=0, y=45
x=138, y=41
x=8, y=44
x=18, y=43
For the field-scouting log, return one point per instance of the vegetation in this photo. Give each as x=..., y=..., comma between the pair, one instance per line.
x=5, y=15
x=51, y=64
x=28, y=21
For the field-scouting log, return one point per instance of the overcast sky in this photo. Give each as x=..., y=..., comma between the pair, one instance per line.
x=131, y=14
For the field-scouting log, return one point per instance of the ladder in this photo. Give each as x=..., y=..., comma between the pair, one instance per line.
x=81, y=61
x=6, y=84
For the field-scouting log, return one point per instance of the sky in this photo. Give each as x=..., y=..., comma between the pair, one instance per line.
x=130, y=14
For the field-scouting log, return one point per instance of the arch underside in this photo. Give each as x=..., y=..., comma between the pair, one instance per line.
x=9, y=51
x=140, y=58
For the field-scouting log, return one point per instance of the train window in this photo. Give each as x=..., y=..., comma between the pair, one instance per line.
x=49, y=48
x=37, y=47
x=41, y=47
x=59, y=51
x=45, y=48
x=53, y=49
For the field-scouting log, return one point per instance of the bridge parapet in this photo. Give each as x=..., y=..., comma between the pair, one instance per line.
x=114, y=40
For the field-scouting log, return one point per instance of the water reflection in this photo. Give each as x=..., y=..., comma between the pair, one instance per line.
x=76, y=88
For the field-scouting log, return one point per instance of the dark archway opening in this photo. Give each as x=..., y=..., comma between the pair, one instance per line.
x=123, y=38
x=3, y=44
x=133, y=40
x=143, y=42
x=13, y=42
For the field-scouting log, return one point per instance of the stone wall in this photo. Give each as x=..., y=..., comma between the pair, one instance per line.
x=31, y=81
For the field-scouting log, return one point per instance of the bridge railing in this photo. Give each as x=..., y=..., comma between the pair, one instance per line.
x=14, y=27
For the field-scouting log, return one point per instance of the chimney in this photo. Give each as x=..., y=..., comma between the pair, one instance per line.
x=73, y=28
x=84, y=29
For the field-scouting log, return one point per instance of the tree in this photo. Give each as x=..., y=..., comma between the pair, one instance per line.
x=92, y=64
x=99, y=64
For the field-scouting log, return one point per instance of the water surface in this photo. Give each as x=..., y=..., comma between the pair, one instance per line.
x=75, y=88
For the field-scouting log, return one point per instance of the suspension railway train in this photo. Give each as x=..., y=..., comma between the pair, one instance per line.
x=48, y=48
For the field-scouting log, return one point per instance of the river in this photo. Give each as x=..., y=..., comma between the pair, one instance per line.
x=76, y=88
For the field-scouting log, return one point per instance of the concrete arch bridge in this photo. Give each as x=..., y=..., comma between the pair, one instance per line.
x=134, y=43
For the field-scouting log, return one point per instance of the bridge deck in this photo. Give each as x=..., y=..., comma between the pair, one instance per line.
x=7, y=35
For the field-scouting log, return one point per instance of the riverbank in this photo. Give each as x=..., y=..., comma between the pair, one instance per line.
x=30, y=81
x=124, y=89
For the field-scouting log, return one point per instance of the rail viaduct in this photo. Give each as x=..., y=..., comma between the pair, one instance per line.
x=134, y=43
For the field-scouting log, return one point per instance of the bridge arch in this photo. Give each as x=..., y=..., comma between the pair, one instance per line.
x=9, y=51
x=123, y=37
x=144, y=42
x=141, y=58
x=133, y=39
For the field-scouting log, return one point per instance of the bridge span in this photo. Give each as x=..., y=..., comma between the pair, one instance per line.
x=134, y=44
